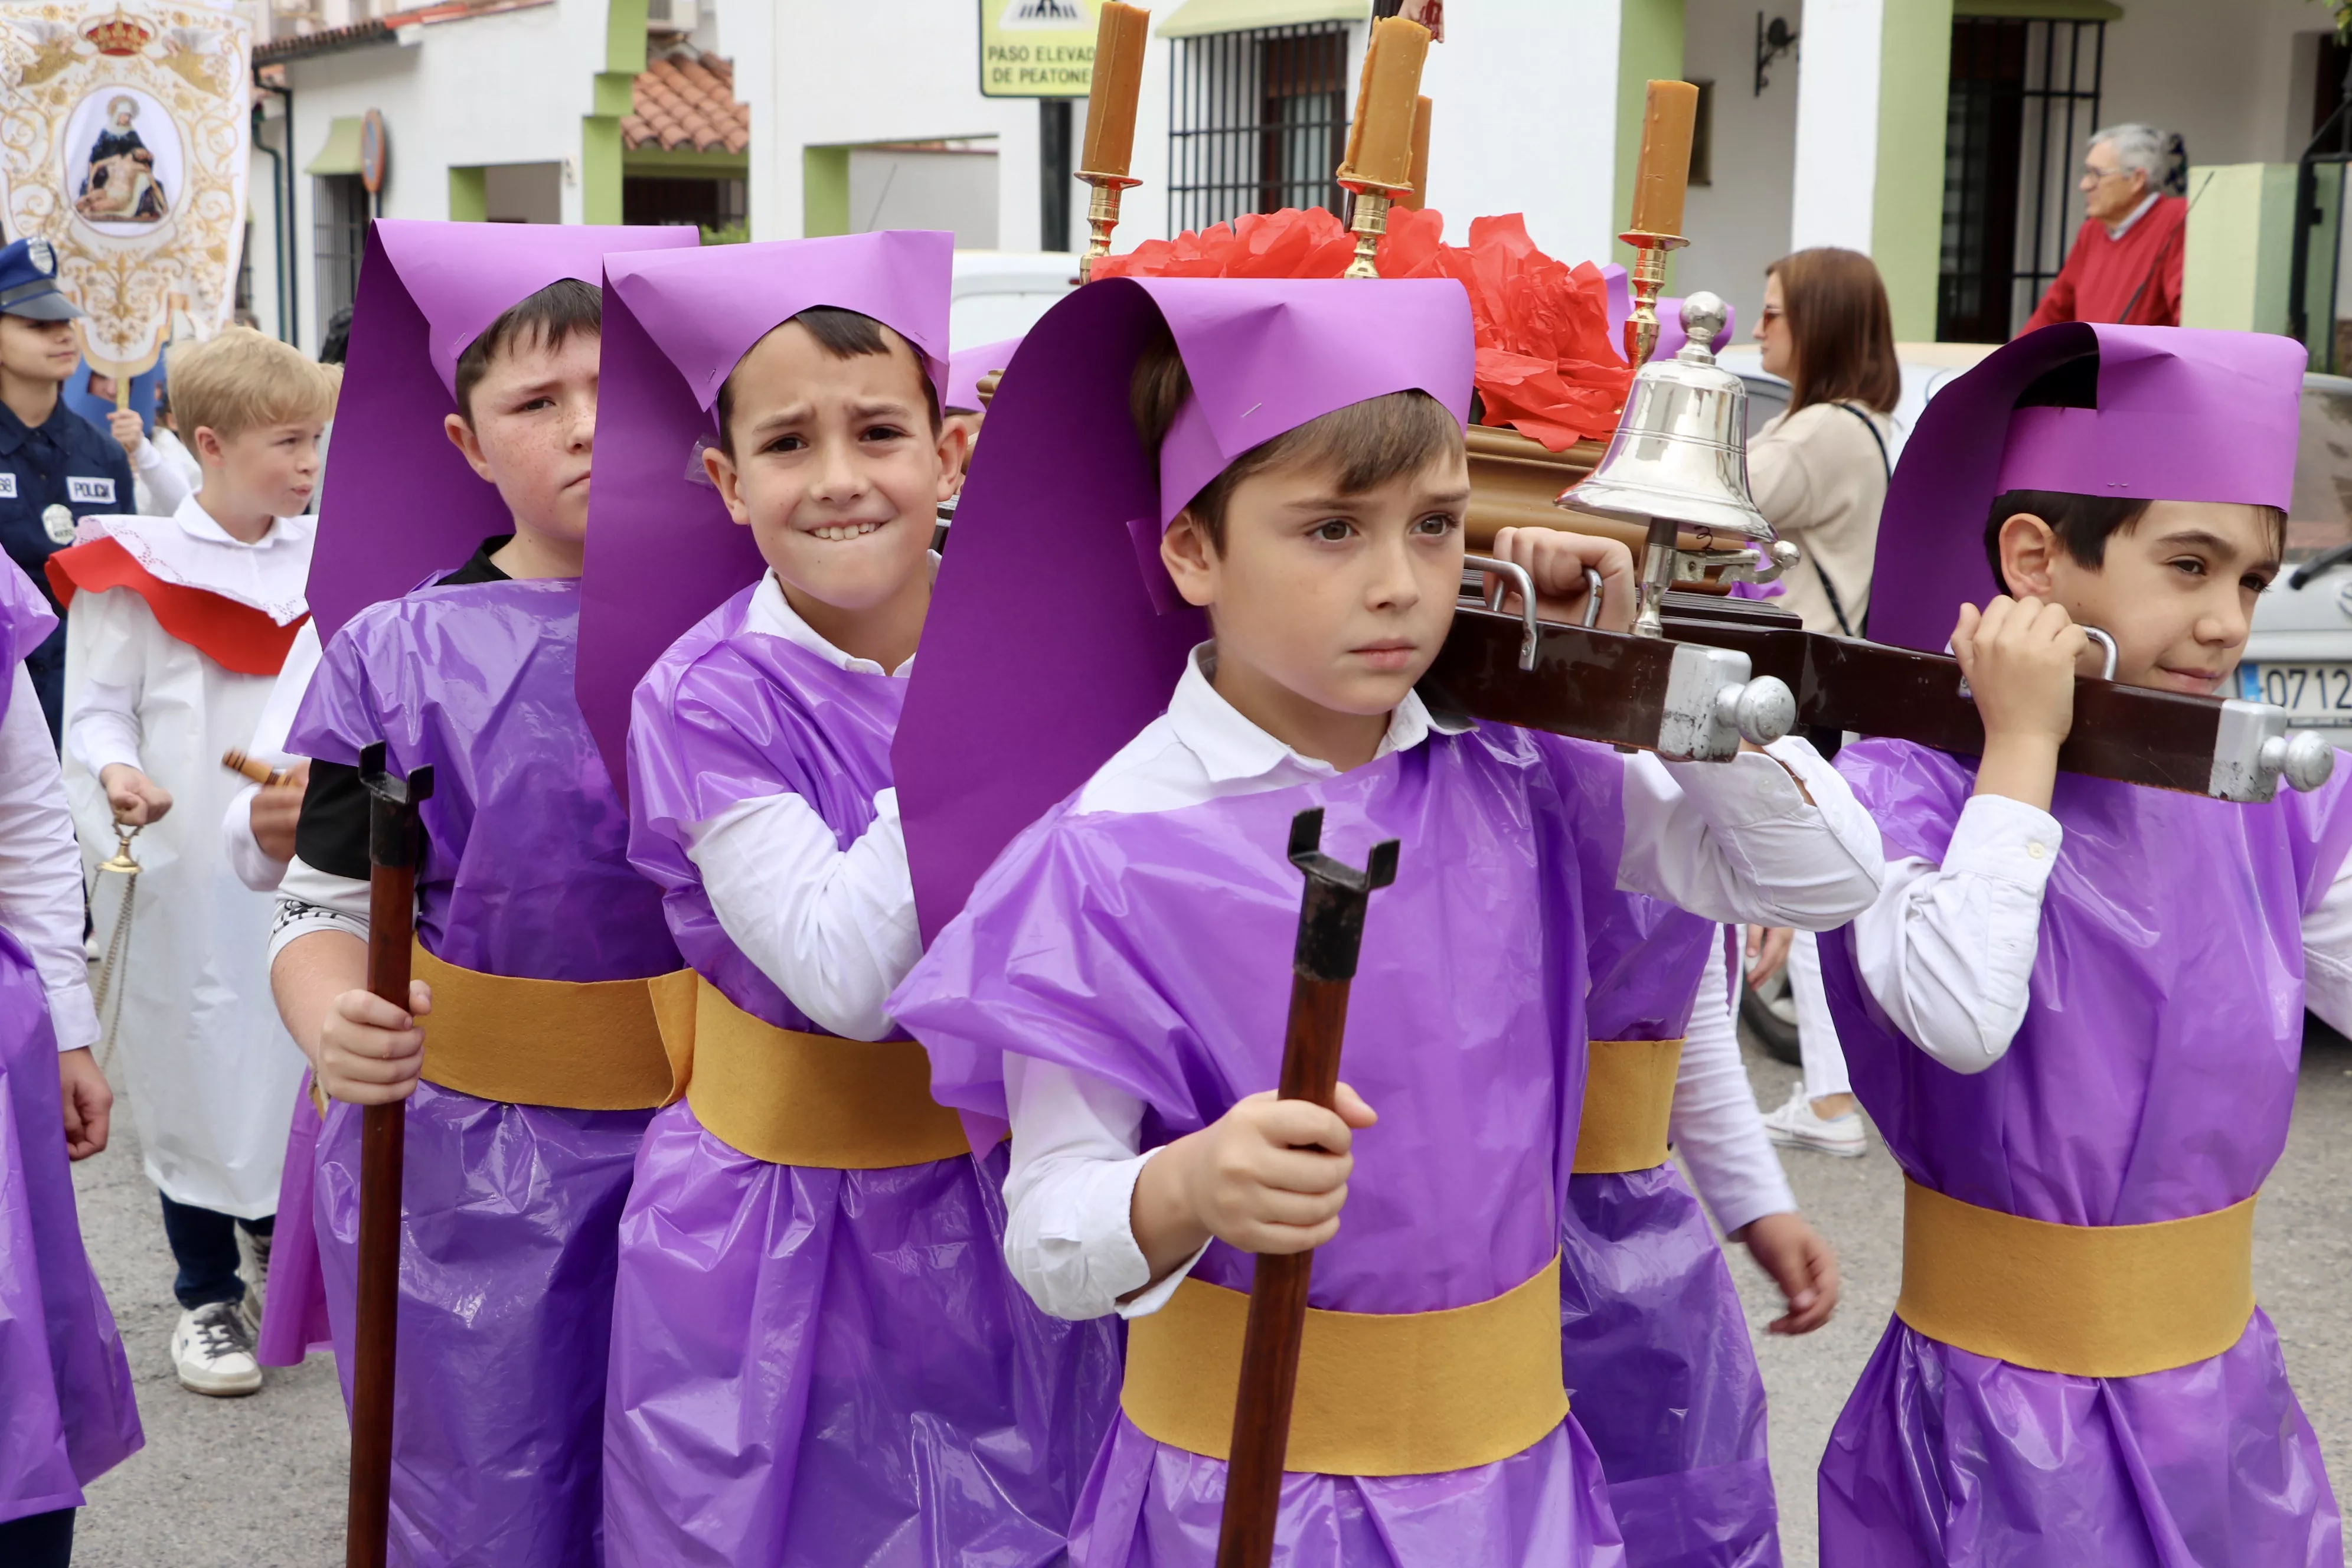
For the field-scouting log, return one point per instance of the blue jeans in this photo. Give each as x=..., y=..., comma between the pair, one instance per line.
x=204, y=1244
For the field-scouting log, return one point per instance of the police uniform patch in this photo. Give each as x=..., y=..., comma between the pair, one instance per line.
x=8, y=487
x=89, y=492
x=40, y=254
x=57, y=522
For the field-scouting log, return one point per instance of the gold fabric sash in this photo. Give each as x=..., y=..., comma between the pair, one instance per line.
x=575, y=1045
x=1629, y=1094
x=2109, y=1300
x=1409, y=1394
x=792, y=1098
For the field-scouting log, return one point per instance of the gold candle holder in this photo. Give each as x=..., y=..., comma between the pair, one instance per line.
x=1646, y=278
x=1102, y=216
x=1370, y=221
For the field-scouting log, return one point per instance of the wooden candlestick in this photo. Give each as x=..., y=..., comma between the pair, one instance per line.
x=1379, y=166
x=1660, y=181
x=1119, y=38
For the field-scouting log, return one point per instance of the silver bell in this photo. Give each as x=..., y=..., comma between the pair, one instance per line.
x=1681, y=448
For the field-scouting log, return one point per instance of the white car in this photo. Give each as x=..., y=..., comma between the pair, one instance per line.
x=1000, y=294
x=2300, y=656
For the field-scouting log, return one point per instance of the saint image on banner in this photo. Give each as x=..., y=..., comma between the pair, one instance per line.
x=121, y=182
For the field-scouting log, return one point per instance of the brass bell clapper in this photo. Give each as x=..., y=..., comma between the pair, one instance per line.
x=1678, y=462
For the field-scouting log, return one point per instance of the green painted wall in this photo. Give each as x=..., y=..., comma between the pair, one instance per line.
x=610, y=99
x=1906, y=230
x=824, y=191
x=2236, y=271
x=1649, y=45
x=469, y=196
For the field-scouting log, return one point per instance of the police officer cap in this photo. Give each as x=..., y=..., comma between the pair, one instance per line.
x=28, y=282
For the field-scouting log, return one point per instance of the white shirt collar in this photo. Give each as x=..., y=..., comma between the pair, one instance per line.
x=771, y=615
x=1229, y=747
x=190, y=550
x=2117, y=230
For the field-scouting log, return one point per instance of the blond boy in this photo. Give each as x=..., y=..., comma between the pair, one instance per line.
x=176, y=627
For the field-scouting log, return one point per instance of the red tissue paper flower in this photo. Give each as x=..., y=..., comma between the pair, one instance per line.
x=1546, y=364
x=1293, y=243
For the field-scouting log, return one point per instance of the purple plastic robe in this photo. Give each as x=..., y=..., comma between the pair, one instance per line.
x=66, y=1414
x=1151, y=952
x=817, y=1367
x=1661, y=1371
x=2152, y=1080
x=512, y=1211
x=294, y=1316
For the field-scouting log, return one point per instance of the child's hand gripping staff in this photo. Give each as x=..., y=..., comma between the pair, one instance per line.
x=394, y=845
x=1330, y=935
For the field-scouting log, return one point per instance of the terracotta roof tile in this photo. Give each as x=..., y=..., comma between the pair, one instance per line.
x=685, y=101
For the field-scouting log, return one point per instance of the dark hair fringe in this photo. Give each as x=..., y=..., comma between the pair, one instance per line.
x=844, y=334
x=1840, y=329
x=544, y=320
x=1365, y=445
x=2082, y=523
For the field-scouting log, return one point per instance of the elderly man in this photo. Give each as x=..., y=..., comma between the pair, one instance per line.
x=2126, y=264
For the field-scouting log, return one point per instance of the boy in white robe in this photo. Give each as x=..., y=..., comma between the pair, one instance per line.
x=176, y=629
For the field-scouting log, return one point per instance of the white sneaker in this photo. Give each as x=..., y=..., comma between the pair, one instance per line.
x=253, y=1267
x=1795, y=1126
x=212, y=1353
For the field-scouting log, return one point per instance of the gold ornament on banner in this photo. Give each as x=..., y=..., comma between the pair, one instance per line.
x=124, y=135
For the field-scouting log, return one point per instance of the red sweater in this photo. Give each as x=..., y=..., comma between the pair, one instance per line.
x=2101, y=275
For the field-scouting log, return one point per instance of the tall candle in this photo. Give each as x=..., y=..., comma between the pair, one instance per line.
x=1418, y=196
x=1663, y=177
x=1117, y=82
x=1380, y=142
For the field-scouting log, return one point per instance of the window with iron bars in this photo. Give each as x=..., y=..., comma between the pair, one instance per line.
x=2024, y=93
x=1258, y=121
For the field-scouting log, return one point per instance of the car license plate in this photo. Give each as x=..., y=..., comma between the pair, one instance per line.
x=2311, y=693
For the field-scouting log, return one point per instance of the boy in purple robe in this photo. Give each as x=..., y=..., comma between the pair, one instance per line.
x=1654, y=1341
x=1287, y=457
x=2077, y=1011
x=67, y=1416
x=818, y=1356
x=468, y=424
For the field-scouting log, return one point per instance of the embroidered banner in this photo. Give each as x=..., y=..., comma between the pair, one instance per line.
x=123, y=143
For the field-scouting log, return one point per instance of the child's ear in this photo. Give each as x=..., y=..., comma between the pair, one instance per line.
x=955, y=441
x=208, y=445
x=2028, y=552
x=727, y=480
x=1184, y=550
x=469, y=446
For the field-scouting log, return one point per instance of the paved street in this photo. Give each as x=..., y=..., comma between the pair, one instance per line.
x=257, y=1483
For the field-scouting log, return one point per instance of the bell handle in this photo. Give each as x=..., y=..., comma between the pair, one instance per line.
x=2106, y=642
x=1504, y=575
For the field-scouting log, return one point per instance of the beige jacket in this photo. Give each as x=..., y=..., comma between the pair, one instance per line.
x=1819, y=479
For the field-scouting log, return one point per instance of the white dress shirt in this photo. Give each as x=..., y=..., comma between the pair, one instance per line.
x=41, y=865
x=162, y=474
x=834, y=927
x=1728, y=840
x=1716, y=1126
x=2117, y=230
x=1946, y=952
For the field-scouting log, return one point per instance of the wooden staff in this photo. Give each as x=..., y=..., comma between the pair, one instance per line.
x=1330, y=934
x=394, y=845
